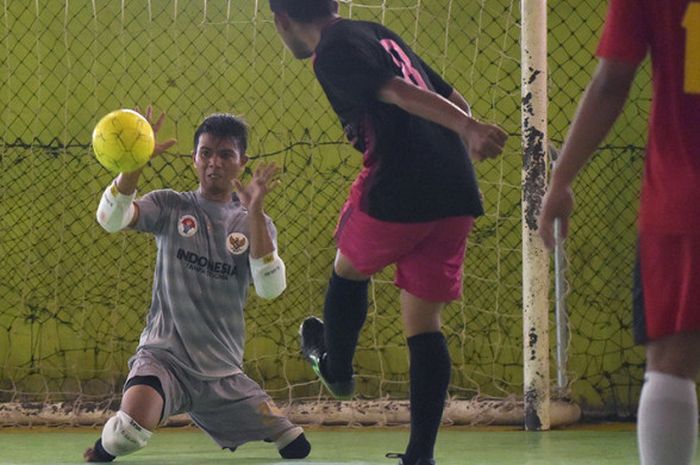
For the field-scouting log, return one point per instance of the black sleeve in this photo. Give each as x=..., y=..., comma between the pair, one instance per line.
x=353, y=72
x=439, y=84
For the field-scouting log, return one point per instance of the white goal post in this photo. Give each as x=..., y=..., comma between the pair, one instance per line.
x=534, y=181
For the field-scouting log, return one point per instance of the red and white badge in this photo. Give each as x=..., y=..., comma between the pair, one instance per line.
x=187, y=226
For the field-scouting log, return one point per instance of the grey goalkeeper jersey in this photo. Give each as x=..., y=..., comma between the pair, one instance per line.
x=200, y=283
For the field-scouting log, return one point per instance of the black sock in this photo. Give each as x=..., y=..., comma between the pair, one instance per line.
x=297, y=449
x=430, y=376
x=101, y=454
x=344, y=313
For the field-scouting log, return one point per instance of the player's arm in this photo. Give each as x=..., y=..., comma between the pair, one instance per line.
x=483, y=140
x=117, y=209
x=261, y=243
x=445, y=89
x=266, y=266
x=461, y=103
x=600, y=106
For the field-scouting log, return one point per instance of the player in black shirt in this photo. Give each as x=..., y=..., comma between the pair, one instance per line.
x=413, y=203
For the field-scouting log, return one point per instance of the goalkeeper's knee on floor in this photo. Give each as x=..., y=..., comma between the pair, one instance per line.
x=121, y=435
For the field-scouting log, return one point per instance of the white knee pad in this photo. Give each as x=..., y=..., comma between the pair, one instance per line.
x=121, y=435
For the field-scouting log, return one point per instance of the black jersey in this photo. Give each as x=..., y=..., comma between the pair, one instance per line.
x=414, y=170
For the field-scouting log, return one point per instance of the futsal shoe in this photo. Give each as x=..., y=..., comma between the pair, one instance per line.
x=402, y=459
x=314, y=350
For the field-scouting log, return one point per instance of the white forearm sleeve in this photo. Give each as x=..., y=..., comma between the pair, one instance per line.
x=269, y=275
x=116, y=210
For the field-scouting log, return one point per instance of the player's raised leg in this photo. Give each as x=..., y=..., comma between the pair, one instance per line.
x=131, y=427
x=329, y=345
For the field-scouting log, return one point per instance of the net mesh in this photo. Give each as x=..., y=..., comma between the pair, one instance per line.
x=73, y=299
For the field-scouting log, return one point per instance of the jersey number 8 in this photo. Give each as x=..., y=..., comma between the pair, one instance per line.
x=404, y=63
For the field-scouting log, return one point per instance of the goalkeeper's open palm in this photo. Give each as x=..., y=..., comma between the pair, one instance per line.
x=253, y=194
x=558, y=203
x=160, y=147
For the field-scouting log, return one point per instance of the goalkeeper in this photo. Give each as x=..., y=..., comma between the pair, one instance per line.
x=412, y=205
x=211, y=243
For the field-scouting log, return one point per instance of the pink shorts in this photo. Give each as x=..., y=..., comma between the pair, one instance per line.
x=670, y=278
x=429, y=256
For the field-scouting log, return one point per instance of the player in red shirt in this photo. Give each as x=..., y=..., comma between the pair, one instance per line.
x=667, y=277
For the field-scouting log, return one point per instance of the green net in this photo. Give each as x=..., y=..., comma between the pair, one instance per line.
x=73, y=299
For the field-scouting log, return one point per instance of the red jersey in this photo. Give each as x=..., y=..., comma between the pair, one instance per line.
x=670, y=31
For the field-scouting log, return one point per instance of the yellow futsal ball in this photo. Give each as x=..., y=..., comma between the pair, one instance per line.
x=123, y=141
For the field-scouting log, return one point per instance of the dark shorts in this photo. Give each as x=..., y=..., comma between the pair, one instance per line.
x=666, y=294
x=429, y=256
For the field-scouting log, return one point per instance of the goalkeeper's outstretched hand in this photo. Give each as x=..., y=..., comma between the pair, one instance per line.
x=160, y=147
x=264, y=180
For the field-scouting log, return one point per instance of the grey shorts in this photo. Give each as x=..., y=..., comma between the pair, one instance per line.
x=232, y=410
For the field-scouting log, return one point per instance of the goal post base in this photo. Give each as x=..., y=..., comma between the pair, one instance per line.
x=477, y=412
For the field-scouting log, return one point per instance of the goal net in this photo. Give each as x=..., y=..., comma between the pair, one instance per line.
x=73, y=299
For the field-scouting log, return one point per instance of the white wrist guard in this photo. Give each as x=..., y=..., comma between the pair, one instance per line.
x=269, y=275
x=116, y=210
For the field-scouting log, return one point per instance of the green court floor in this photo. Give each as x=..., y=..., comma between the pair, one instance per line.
x=350, y=446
